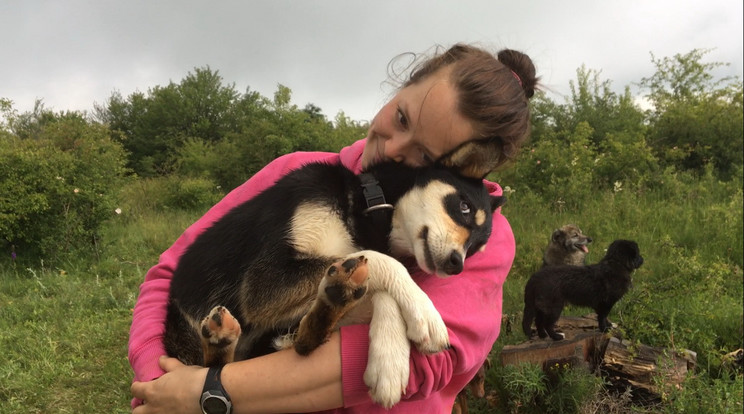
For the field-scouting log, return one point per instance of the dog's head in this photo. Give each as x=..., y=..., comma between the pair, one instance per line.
x=442, y=219
x=625, y=252
x=571, y=238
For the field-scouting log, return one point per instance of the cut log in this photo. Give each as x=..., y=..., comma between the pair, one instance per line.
x=582, y=345
x=641, y=367
x=625, y=365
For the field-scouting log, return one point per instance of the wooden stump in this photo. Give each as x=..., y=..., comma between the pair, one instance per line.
x=639, y=367
x=625, y=365
x=582, y=346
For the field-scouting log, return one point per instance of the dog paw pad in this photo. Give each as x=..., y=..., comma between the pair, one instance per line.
x=345, y=282
x=220, y=328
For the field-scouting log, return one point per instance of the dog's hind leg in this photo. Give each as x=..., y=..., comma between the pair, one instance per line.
x=527, y=318
x=220, y=332
x=342, y=287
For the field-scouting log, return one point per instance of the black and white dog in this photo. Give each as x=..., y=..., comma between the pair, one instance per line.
x=307, y=255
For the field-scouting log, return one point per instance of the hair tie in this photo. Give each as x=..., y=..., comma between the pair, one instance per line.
x=517, y=77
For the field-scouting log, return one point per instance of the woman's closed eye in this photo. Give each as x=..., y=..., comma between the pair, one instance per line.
x=402, y=119
x=426, y=159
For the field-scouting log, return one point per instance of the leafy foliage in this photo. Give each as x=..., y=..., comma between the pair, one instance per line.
x=697, y=120
x=59, y=177
x=202, y=128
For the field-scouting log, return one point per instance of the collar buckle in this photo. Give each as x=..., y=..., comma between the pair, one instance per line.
x=373, y=194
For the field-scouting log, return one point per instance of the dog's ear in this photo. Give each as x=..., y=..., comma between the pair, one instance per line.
x=497, y=201
x=474, y=158
x=557, y=236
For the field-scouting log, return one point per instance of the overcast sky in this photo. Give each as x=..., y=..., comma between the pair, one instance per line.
x=335, y=53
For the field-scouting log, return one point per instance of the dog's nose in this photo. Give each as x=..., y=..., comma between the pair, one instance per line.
x=453, y=265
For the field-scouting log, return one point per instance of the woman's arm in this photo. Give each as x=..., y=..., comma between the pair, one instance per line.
x=285, y=381
x=280, y=382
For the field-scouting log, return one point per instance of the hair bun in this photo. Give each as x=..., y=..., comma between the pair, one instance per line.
x=521, y=65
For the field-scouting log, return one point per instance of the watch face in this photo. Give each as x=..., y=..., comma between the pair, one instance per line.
x=214, y=405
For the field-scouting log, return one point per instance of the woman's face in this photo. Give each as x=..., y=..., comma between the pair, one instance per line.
x=420, y=124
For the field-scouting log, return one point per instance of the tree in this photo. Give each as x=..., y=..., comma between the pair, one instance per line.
x=593, y=140
x=153, y=126
x=696, y=119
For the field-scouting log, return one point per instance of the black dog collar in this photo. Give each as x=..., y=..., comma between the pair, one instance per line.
x=373, y=194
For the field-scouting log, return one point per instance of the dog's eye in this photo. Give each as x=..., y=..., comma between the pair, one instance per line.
x=464, y=207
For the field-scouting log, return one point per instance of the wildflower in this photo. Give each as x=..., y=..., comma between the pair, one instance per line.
x=538, y=162
x=509, y=190
x=118, y=210
x=77, y=190
x=618, y=186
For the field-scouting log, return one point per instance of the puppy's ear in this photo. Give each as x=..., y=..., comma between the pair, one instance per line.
x=497, y=201
x=557, y=235
x=638, y=261
x=474, y=159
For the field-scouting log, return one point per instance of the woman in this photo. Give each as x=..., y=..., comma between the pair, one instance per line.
x=462, y=94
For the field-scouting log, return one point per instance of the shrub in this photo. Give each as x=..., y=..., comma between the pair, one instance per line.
x=190, y=193
x=171, y=192
x=57, y=188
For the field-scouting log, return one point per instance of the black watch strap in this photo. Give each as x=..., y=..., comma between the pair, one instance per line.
x=214, y=398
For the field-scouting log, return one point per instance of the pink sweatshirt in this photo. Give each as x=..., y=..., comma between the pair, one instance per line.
x=470, y=304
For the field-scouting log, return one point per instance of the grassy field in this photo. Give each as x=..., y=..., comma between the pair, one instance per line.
x=64, y=328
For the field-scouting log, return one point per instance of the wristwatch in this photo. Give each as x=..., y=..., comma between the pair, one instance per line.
x=214, y=398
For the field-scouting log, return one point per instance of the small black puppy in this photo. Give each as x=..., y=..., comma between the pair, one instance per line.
x=597, y=286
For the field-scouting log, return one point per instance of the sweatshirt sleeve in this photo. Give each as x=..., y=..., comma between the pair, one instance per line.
x=470, y=304
x=148, y=320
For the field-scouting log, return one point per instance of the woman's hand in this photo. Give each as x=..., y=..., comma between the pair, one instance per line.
x=177, y=391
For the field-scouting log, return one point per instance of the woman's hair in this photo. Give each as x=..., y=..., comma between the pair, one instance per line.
x=493, y=92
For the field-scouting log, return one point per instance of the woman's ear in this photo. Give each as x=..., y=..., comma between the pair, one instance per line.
x=474, y=158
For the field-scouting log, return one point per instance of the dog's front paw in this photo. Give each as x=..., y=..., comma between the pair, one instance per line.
x=345, y=282
x=387, y=371
x=343, y=286
x=220, y=332
x=427, y=329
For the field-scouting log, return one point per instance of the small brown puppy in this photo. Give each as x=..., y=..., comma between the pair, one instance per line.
x=567, y=246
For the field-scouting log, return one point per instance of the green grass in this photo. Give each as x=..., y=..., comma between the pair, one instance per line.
x=64, y=340
x=64, y=328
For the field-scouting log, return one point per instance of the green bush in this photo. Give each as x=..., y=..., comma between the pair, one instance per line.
x=190, y=193
x=57, y=188
x=168, y=193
